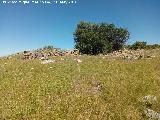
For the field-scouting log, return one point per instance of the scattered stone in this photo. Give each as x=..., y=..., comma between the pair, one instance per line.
x=152, y=115
x=149, y=99
x=44, y=58
x=92, y=87
x=62, y=59
x=47, y=61
x=78, y=60
x=128, y=54
x=97, y=86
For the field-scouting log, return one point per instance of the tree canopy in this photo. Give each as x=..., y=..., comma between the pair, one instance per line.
x=91, y=38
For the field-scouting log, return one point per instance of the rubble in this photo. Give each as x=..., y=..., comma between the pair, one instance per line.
x=148, y=101
x=152, y=115
x=128, y=54
x=120, y=54
x=44, y=55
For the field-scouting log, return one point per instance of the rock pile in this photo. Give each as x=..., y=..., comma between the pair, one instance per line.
x=148, y=102
x=43, y=55
x=152, y=115
x=128, y=54
x=121, y=54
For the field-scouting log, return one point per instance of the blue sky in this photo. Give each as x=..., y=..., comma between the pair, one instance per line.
x=31, y=26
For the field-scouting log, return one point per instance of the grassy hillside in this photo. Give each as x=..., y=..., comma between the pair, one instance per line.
x=95, y=89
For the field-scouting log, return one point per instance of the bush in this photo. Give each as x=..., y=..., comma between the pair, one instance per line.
x=138, y=45
x=154, y=46
x=142, y=45
x=93, y=38
x=49, y=47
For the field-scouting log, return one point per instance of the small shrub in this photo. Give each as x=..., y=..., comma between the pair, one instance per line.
x=138, y=45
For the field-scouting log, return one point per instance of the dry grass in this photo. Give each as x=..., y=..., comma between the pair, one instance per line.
x=96, y=89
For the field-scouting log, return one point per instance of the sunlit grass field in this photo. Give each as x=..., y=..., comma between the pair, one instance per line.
x=95, y=89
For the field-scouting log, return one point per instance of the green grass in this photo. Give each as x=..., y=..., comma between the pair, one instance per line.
x=66, y=90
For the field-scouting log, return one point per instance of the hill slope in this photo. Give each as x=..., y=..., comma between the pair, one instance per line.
x=96, y=88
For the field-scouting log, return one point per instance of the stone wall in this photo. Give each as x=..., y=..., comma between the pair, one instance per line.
x=129, y=54
x=28, y=55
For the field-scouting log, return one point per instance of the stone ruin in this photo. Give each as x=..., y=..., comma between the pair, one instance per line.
x=120, y=54
x=129, y=54
x=44, y=55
